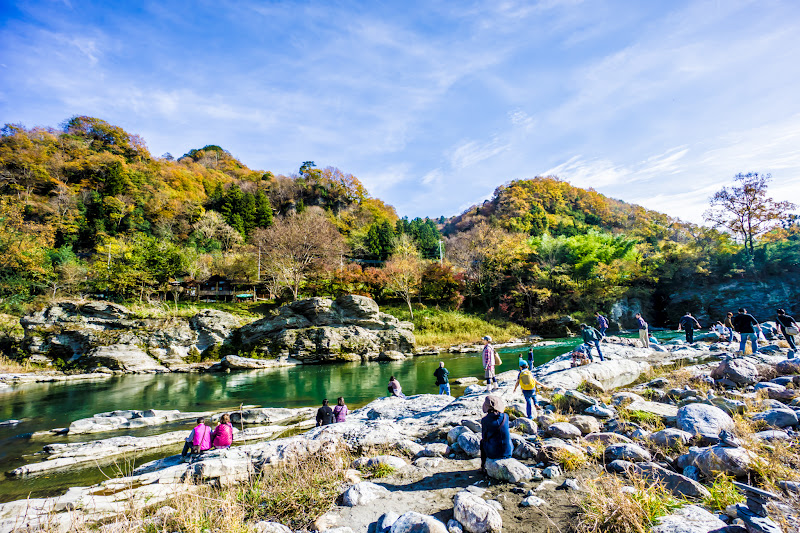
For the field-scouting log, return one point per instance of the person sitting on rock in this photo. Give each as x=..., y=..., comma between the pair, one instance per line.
x=222, y=436
x=325, y=414
x=340, y=410
x=394, y=388
x=580, y=355
x=495, y=435
x=199, y=440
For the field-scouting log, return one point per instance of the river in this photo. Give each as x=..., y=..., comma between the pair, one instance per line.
x=42, y=407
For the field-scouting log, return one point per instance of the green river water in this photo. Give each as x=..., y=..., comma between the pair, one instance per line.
x=42, y=407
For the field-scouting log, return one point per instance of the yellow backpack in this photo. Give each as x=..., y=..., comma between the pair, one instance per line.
x=526, y=380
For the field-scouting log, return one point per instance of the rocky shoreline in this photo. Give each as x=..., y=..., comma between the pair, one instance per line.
x=708, y=413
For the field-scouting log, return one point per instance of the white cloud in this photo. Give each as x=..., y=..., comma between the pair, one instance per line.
x=470, y=153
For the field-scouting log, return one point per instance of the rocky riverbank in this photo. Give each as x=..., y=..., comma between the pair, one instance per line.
x=679, y=416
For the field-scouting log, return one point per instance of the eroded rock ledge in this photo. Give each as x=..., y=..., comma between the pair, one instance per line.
x=109, y=337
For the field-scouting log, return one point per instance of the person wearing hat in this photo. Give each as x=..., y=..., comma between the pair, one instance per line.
x=489, y=363
x=495, y=436
x=528, y=383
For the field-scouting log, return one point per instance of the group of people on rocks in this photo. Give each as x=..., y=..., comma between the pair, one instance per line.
x=327, y=415
x=202, y=438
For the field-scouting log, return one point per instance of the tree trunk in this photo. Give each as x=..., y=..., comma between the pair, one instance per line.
x=411, y=311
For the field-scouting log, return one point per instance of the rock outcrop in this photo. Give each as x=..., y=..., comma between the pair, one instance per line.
x=315, y=330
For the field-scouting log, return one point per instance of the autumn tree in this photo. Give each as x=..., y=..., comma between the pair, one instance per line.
x=404, y=270
x=298, y=244
x=745, y=209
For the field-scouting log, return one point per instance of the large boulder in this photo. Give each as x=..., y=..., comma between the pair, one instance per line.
x=780, y=418
x=126, y=357
x=788, y=366
x=412, y=522
x=670, y=437
x=475, y=515
x=717, y=460
x=509, y=470
x=564, y=430
x=363, y=493
x=704, y=420
x=234, y=362
x=470, y=444
x=680, y=485
x=626, y=452
x=668, y=413
x=213, y=327
x=740, y=371
x=689, y=519
x=587, y=424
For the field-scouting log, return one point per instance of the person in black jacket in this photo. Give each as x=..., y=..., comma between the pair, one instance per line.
x=442, y=379
x=689, y=323
x=325, y=414
x=745, y=325
x=785, y=321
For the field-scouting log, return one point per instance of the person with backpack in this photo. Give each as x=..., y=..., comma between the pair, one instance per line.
x=340, y=412
x=442, y=379
x=325, y=414
x=789, y=328
x=199, y=440
x=602, y=323
x=490, y=359
x=689, y=323
x=528, y=383
x=495, y=435
x=592, y=336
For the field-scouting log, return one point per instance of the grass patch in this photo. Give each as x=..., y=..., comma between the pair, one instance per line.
x=649, y=421
x=568, y=461
x=246, y=311
x=610, y=509
x=14, y=367
x=378, y=471
x=437, y=327
x=723, y=494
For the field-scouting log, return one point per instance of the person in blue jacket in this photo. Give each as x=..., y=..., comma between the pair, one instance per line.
x=495, y=436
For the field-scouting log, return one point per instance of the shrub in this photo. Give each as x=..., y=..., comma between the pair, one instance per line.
x=609, y=509
x=568, y=461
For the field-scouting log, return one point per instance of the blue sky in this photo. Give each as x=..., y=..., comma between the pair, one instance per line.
x=432, y=104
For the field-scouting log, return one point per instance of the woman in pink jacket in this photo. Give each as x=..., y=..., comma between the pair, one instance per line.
x=489, y=363
x=222, y=437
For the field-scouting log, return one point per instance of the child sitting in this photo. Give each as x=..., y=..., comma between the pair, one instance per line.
x=580, y=356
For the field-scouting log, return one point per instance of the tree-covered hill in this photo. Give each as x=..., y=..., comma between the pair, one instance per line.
x=85, y=209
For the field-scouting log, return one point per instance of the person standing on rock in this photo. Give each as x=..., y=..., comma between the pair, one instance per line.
x=490, y=358
x=325, y=414
x=591, y=336
x=495, y=435
x=602, y=323
x=394, y=388
x=528, y=383
x=729, y=325
x=222, y=436
x=688, y=323
x=442, y=380
x=644, y=334
x=340, y=411
x=789, y=328
x=745, y=325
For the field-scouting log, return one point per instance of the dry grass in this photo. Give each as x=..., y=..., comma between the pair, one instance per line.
x=610, y=509
x=569, y=461
x=649, y=421
x=13, y=367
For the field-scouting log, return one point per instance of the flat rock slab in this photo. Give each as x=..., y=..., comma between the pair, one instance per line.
x=669, y=413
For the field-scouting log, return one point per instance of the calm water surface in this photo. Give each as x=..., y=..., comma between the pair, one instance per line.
x=52, y=405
